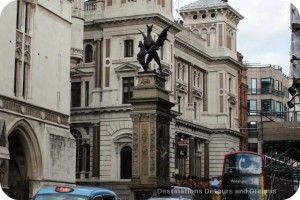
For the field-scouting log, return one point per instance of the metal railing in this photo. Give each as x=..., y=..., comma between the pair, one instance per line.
x=259, y=91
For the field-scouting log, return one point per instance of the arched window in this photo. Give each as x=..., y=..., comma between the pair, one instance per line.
x=82, y=155
x=126, y=163
x=204, y=34
x=213, y=37
x=88, y=53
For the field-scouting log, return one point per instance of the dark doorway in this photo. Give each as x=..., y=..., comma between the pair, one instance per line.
x=17, y=179
x=126, y=162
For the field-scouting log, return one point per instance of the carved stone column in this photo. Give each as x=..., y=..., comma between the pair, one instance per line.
x=151, y=121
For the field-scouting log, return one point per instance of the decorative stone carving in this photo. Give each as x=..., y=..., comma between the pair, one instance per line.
x=145, y=81
x=23, y=109
x=33, y=111
x=77, y=53
x=232, y=100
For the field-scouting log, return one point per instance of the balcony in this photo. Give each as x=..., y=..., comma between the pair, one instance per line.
x=261, y=91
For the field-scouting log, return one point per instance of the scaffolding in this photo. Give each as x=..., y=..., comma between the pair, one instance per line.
x=281, y=144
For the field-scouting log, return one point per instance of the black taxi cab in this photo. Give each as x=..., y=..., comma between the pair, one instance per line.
x=75, y=193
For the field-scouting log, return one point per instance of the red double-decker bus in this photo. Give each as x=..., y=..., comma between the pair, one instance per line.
x=245, y=177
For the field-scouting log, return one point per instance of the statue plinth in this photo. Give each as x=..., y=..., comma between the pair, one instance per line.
x=150, y=140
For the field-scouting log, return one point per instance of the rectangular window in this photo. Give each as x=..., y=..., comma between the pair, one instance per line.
x=76, y=94
x=26, y=18
x=128, y=84
x=267, y=106
x=195, y=110
x=252, y=147
x=267, y=85
x=25, y=80
x=179, y=102
x=253, y=86
x=252, y=128
x=16, y=77
x=279, y=109
x=230, y=116
x=252, y=107
x=87, y=93
x=18, y=15
x=128, y=48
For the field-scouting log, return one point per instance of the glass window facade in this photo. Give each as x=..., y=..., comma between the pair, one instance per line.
x=252, y=107
x=253, y=86
x=267, y=85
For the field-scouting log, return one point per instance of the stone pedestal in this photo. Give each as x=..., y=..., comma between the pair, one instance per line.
x=151, y=135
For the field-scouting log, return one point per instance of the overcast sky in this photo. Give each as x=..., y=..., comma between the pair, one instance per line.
x=264, y=35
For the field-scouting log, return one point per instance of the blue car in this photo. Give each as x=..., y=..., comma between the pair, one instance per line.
x=75, y=193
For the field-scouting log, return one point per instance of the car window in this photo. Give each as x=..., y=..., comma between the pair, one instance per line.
x=108, y=197
x=59, y=197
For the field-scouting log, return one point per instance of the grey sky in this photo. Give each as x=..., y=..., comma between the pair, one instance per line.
x=264, y=35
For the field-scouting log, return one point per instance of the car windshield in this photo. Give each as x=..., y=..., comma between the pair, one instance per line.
x=60, y=197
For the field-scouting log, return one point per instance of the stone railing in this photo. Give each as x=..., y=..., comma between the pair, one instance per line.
x=90, y=6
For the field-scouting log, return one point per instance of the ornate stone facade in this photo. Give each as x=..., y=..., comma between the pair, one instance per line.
x=202, y=82
x=36, y=147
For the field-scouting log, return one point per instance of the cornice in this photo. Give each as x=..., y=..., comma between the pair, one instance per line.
x=157, y=19
x=26, y=109
x=228, y=131
x=192, y=125
x=75, y=111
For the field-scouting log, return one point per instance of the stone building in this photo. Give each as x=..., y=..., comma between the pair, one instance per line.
x=267, y=98
x=205, y=77
x=36, y=147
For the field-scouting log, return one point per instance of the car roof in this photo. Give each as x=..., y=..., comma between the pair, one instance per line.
x=78, y=190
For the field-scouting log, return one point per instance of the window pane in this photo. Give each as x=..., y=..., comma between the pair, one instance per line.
x=88, y=53
x=253, y=86
x=267, y=85
x=128, y=48
x=252, y=107
x=267, y=106
x=75, y=94
x=128, y=84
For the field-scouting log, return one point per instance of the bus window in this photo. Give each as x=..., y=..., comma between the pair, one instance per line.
x=243, y=163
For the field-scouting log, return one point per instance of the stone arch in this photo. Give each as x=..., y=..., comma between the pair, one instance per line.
x=196, y=31
x=89, y=53
x=22, y=133
x=121, y=139
x=213, y=37
x=27, y=57
x=204, y=33
x=18, y=54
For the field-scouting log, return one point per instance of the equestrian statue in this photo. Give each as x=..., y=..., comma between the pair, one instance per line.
x=150, y=47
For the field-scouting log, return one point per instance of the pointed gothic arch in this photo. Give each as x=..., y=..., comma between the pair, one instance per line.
x=25, y=155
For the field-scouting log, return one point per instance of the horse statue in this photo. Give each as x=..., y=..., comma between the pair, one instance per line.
x=150, y=47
